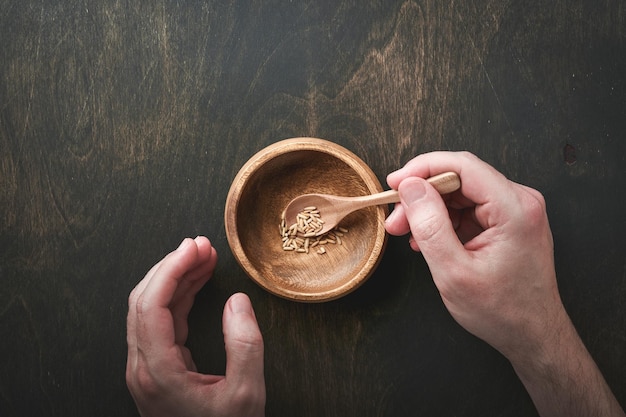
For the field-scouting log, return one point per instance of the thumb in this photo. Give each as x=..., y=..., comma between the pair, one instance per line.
x=430, y=223
x=243, y=343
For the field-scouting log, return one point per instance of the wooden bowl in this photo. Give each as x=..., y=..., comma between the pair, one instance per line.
x=260, y=192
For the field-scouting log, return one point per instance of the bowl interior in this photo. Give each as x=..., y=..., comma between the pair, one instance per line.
x=265, y=189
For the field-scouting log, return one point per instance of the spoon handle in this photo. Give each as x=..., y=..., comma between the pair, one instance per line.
x=444, y=183
x=386, y=197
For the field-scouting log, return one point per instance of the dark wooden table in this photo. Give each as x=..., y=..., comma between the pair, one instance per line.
x=122, y=125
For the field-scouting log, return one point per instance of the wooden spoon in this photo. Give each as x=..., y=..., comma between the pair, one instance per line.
x=332, y=208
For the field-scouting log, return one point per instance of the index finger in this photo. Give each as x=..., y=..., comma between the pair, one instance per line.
x=131, y=318
x=480, y=182
x=153, y=314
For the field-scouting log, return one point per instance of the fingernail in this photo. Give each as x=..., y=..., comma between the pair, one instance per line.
x=412, y=191
x=183, y=244
x=393, y=178
x=391, y=216
x=239, y=304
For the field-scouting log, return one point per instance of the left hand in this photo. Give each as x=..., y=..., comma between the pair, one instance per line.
x=160, y=372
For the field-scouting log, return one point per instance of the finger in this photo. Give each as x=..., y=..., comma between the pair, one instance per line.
x=139, y=289
x=156, y=329
x=243, y=343
x=429, y=164
x=480, y=182
x=131, y=340
x=205, y=253
x=131, y=318
x=144, y=282
x=185, y=295
x=431, y=227
x=396, y=223
x=196, y=277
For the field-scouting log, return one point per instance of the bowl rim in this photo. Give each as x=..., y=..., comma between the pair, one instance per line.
x=275, y=150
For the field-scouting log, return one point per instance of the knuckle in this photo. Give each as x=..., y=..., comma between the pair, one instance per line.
x=142, y=381
x=248, y=344
x=248, y=398
x=534, y=208
x=467, y=155
x=140, y=306
x=427, y=227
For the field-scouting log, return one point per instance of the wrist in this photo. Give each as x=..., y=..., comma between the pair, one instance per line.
x=561, y=376
x=547, y=354
x=533, y=335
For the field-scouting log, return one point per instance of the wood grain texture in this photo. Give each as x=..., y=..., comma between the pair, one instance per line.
x=122, y=125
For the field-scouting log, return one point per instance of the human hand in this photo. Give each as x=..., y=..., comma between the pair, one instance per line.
x=490, y=252
x=160, y=372
x=488, y=246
